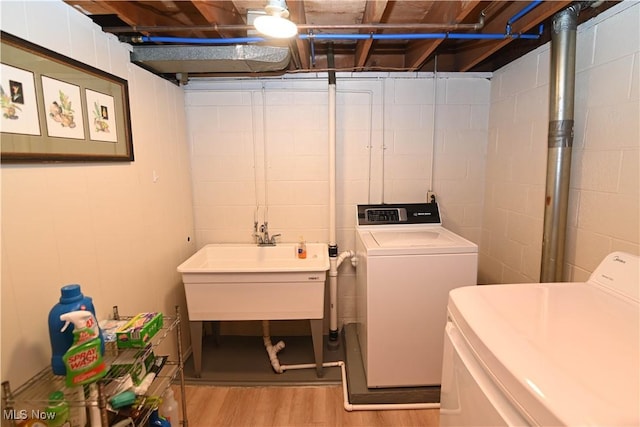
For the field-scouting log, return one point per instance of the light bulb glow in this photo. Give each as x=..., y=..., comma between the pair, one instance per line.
x=275, y=26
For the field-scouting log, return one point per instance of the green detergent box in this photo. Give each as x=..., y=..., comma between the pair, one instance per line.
x=132, y=362
x=138, y=331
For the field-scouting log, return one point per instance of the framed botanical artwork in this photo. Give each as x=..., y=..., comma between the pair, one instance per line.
x=19, y=109
x=56, y=109
x=61, y=100
x=100, y=110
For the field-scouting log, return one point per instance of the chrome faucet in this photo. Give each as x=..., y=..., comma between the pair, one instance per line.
x=264, y=239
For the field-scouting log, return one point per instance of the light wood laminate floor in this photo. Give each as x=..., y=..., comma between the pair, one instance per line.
x=210, y=406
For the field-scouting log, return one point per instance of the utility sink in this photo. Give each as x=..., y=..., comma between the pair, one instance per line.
x=251, y=258
x=237, y=281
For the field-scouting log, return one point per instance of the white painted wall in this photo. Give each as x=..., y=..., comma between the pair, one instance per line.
x=106, y=226
x=385, y=153
x=605, y=185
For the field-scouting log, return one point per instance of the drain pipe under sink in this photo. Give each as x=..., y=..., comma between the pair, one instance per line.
x=272, y=350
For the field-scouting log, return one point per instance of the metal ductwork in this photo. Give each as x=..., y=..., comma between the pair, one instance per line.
x=239, y=58
x=560, y=140
x=232, y=57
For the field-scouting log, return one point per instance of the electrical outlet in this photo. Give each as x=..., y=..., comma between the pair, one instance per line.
x=431, y=196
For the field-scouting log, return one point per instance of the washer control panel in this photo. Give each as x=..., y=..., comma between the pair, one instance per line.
x=407, y=213
x=385, y=215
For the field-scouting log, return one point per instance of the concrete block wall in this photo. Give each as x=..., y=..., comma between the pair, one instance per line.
x=110, y=227
x=245, y=133
x=604, y=190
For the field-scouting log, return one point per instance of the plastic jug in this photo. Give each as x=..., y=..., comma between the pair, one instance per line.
x=58, y=410
x=169, y=408
x=156, y=420
x=71, y=299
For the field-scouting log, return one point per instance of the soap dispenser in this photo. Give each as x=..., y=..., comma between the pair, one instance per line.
x=302, y=248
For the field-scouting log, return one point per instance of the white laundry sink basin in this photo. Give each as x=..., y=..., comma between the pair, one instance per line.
x=236, y=281
x=251, y=258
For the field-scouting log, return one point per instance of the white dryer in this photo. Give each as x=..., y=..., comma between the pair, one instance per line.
x=545, y=354
x=407, y=264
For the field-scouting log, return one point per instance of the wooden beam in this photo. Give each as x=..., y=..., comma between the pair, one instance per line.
x=90, y=7
x=419, y=51
x=148, y=13
x=476, y=52
x=219, y=12
x=300, y=48
x=373, y=12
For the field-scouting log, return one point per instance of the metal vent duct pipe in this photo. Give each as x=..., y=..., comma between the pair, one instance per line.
x=560, y=139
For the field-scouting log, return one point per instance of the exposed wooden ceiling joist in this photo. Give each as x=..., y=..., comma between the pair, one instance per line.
x=228, y=19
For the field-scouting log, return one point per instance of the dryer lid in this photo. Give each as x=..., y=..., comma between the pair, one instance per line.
x=568, y=353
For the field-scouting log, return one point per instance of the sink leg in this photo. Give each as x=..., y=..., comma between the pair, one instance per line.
x=196, y=346
x=316, y=334
x=216, y=333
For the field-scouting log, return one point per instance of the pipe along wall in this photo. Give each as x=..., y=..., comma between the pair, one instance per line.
x=560, y=142
x=371, y=35
x=404, y=36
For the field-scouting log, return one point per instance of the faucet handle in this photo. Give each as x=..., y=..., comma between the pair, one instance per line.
x=273, y=238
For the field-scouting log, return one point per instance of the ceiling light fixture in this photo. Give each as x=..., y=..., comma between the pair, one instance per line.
x=275, y=23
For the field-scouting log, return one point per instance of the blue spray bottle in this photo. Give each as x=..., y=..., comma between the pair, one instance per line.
x=71, y=299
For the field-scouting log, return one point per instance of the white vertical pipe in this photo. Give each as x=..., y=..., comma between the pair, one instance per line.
x=254, y=142
x=265, y=159
x=333, y=246
x=332, y=164
x=383, y=146
x=433, y=122
x=333, y=265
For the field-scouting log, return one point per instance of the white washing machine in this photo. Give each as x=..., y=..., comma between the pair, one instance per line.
x=407, y=264
x=551, y=354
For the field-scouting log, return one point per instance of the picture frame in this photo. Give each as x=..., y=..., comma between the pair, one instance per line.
x=57, y=109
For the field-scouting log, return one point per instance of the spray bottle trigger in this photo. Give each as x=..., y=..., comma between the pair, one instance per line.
x=79, y=318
